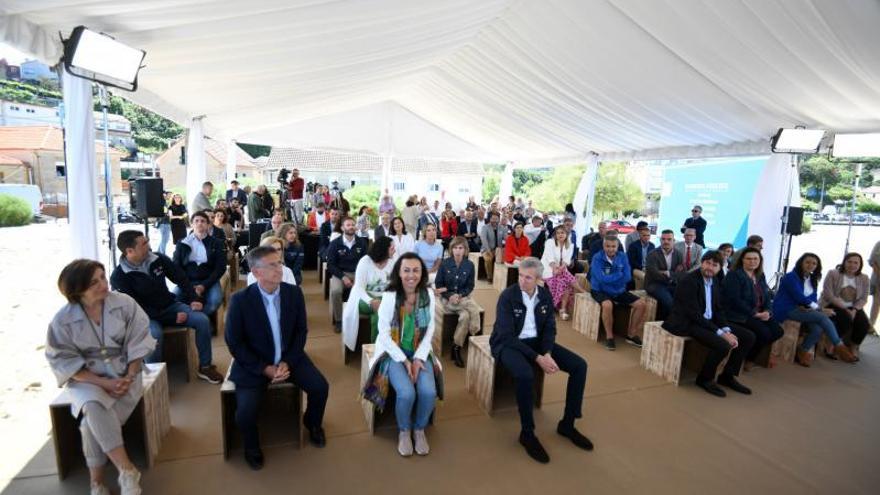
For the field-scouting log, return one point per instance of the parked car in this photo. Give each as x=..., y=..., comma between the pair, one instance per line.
x=126, y=216
x=28, y=192
x=621, y=226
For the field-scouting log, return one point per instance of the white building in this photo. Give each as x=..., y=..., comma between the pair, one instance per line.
x=456, y=183
x=19, y=114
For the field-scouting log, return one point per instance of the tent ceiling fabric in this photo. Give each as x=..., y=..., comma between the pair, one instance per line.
x=518, y=79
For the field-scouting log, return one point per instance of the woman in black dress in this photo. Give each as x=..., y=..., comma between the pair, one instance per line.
x=177, y=213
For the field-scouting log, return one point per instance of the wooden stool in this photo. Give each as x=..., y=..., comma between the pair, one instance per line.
x=484, y=377
x=638, y=277
x=588, y=315
x=505, y=275
x=184, y=343
x=668, y=355
x=143, y=432
x=363, y=337
x=444, y=331
x=784, y=349
x=480, y=264
x=376, y=420
x=282, y=399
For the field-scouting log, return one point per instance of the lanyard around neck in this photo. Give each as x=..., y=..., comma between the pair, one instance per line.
x=95, y=331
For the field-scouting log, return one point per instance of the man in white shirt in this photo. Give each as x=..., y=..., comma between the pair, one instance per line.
x=524, y=341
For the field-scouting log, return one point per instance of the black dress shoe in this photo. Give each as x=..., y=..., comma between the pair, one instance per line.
x=317, y=437
x=731, y=383
x=254, y=459
x=712, y=388
x=571, y=433
x=456, y=356
x=534, y=448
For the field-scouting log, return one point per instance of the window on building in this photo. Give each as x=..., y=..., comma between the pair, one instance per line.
x=400, y=186
x=464, y=188
x=60, y=171
x=434, y=187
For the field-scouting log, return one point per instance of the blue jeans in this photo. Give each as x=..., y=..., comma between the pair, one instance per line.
x=194, y=319
x=663, y=294
x=165, y=236
x=817, y=323
x=213, y=296
x=407, y=394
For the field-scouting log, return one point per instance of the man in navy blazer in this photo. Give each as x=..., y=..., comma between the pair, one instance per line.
x=266, y=334
x=525, y=334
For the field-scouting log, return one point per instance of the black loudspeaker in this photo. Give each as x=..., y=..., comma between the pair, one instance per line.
x=795, y=224
x=147, y=200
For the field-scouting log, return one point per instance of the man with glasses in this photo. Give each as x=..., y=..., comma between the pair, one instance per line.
x=696, y=222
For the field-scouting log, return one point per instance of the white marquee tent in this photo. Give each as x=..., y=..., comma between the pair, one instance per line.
x=526, y=81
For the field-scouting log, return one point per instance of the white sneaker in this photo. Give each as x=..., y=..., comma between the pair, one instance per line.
x=404, y=443
x=99, y=489
x=422, y=447
x=129, y=482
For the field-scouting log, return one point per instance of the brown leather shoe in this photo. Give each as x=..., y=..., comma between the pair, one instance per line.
x=844, y=354
x=803, y=358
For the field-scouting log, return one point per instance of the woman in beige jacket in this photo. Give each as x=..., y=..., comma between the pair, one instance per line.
x=846, y=292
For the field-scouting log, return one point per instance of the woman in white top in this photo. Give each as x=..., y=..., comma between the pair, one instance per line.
x=279, y=244
x=560, y=281
x=403, y=358
x=403, y=242
x=363, y=222
x=370, y=281
x=845, y=291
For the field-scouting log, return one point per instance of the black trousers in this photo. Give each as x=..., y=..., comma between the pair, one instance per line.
x=248, y=400
x=520, y=367
x=851, y=329
x=718, y=348
x=766, y=332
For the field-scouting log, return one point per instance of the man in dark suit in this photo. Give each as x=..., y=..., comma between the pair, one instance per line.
x=662, y=267
x=467, y=228
x=697, y=312
x=525, y=334
x=384, y=227
x=696, y=222
x=235, y=193
x=325, y=231
x=266, y=334
x=637, y=252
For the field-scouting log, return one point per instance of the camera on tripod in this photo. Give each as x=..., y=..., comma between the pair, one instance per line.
x=283, y=174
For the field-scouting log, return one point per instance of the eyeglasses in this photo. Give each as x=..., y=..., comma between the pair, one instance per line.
x=695, y=211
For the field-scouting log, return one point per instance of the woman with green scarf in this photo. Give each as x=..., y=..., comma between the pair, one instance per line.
x=403, y=356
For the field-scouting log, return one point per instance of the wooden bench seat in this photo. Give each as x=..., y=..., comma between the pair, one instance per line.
x=142, y=433
x=282, y=403
x=505, y=275
x=587, y=318
x=179, y=344
x=376, y=420
x=484, y=377
x=363, y=337
x=668, y=355
x=444, y=330
x=480, y=265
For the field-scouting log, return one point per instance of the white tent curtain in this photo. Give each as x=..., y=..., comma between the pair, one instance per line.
x=506, y=187
x=195, y=159
x=585, y=195
x=231, y=161
x=79, y=149
x=777, y=184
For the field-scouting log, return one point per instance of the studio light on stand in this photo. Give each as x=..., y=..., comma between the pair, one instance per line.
x=99, y=58
x=795, y=142
x=853, y=147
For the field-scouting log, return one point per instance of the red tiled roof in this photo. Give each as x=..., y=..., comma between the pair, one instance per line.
x=8, y=160
x=37, y=137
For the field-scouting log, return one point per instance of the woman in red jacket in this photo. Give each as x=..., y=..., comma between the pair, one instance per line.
x=448, y=227
x=516, y=247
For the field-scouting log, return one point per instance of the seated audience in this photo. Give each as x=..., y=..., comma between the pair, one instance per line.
x=662, y=268
x=726, y=251
x=362, y=225
x=557, y=277
x=491, y=238
x=403, y=356
x=275, y=222
x=317, y=217
x=690, y=251
x=448, y=227
x=454, y=283
x=796, y=300
x=597, y=245
x=203, y=259
x=141, y=274
x=635, y=235
x=609, y=274
x=102, y=375
x=754, y=241
x=221, y=222
x=845, y=291
x=537, y=236
x=427, y=217
x=403, y=242
x=271, y=350
x=638, y=251
x=747, y=301
x=468, y=227
x=516, y=247
x=326, y=231
x=343, y=255
x=525, y=334
x=370, y=280
x=429, y=249
x=697, y=313
x=294, y=256
x=287, y=275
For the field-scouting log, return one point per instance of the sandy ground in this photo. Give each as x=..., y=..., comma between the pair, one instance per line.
x=30, y=260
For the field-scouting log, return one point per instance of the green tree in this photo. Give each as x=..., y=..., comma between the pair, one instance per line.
x=525, y=180
x=616, y=193
x=491, y=184
x=556, y=189
x=14, y=211
x=363, y=195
